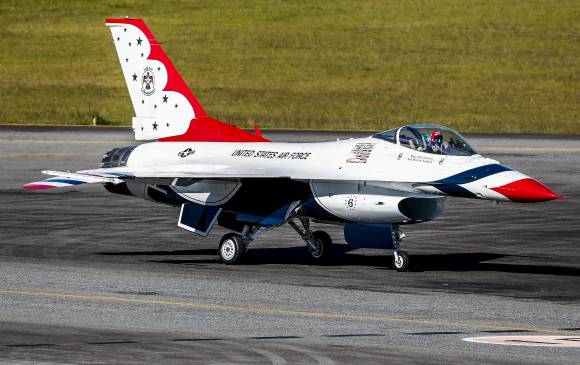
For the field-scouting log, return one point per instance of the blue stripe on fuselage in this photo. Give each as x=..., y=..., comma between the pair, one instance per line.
x=455, y=190
x=451, y=185
x=473, y=174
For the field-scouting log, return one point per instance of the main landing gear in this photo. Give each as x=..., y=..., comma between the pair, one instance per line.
x=400, y=258
x=319, y=243
x=233, y=246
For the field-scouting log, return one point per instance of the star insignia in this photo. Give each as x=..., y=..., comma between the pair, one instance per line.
x=176, y=105
x=134, y=77
x=142, y=101
x=118, y=38
x=129, y=44
x=165, y=98
x=126, y=60
x=141, y=54
x=155, y=106
x=139, y=40
x=141, y=127
x=155, y=126
x=124, y=29
x=158, y=68
x=167, y=124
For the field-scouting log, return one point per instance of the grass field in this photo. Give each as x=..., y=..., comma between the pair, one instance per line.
x=478, y=66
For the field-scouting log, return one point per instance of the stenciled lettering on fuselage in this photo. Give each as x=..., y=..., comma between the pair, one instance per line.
x=361, y=153
x=422, y=159
x=271, y=154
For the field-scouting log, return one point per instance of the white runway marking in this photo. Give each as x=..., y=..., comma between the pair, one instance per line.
x=546, y=341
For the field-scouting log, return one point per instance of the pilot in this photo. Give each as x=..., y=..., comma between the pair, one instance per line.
x=436, y=142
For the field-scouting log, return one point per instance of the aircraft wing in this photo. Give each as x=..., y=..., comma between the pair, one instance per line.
x=151, y=174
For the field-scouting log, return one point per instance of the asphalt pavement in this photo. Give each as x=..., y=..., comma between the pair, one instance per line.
x=91, y=277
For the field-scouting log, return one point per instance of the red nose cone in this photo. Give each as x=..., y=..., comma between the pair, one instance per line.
x=527, y=190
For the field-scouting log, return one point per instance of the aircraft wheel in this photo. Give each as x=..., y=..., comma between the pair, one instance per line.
x=401, y=261
x=231, y=248
x=323, y=244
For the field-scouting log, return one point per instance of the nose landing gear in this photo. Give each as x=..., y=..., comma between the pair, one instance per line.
x=400, y=258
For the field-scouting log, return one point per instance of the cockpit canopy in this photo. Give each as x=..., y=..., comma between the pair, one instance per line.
x=429, y=138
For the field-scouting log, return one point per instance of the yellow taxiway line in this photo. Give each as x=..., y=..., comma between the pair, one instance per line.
x=273, y=311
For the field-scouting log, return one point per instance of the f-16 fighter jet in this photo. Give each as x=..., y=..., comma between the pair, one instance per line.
x=219, y=174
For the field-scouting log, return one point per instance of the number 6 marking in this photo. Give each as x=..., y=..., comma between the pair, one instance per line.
x=350, y=202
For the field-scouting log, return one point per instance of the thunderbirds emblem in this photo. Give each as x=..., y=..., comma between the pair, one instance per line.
x=186, y=153
x=148, y=82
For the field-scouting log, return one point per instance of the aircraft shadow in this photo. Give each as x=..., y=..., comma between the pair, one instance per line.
x=454, y=262
x=204, y=251
x=481, y=262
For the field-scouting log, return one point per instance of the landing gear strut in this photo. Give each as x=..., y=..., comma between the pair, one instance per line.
x=233, y=246
x=319, y=243
x=400, y=258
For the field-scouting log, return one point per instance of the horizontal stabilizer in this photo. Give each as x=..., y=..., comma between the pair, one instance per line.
x=193, y=171
x=64, y=179
x=149, y=175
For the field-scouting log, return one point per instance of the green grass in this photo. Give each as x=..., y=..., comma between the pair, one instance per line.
x=478, y=66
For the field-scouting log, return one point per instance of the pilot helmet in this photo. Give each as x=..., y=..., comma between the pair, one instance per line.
x=436, y=138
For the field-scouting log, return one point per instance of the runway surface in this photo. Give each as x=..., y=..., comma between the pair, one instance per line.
x=87, y=276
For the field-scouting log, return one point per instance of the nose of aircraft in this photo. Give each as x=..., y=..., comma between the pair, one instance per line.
x=527, y=190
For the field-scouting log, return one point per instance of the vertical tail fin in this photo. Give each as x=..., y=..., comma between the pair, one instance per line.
x=165, y=108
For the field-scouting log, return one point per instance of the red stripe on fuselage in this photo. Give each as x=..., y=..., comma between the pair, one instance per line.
x=207, y=129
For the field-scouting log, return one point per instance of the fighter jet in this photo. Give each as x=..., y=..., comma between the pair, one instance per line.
x=218, y=174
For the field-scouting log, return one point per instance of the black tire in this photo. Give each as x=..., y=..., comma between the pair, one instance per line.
x=403, y=263
x=324, y=244
x=231, y=249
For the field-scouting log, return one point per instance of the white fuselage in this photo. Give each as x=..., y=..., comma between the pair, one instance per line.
x=370, y=160
x=361, y=180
